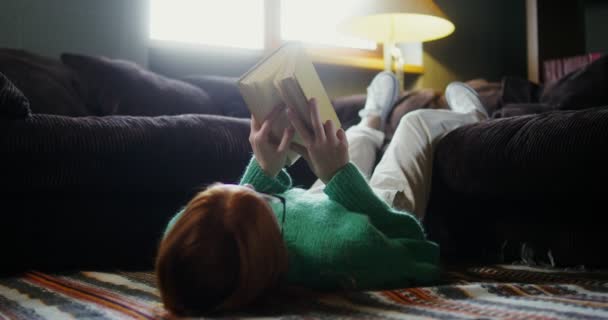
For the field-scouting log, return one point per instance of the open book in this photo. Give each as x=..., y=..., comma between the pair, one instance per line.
x=285, y=76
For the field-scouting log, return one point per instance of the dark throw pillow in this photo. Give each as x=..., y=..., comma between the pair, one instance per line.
x=520, y=109
x=519, y=90
x=13, y=104
x=585, y=88
x=120, y=87
x=224, y=92
x=50, y=87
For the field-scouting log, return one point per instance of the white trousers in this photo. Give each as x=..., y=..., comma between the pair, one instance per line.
x=403, y=175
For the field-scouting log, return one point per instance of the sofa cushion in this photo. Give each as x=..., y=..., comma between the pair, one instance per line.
x=224, y=93
x=50, y=87
x=120, y=87
x=584, y=88
x=13, y=104
x=521, y=109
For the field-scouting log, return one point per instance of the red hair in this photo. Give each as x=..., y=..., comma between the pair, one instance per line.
x=224, y=252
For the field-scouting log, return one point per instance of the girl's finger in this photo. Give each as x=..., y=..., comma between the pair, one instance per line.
x=341, y=135
x=265, y=130
x=330, y=131
x=286, y=139
x=342, y=140
x=298, y=124
x=255, y=125
x=315, y=118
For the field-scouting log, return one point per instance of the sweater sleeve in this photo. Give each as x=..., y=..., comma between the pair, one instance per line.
x=255, y=176
x=349, y=188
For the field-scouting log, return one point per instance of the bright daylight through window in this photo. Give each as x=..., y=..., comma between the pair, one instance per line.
x=231, y=23
x=240, y=23
x=315, y=21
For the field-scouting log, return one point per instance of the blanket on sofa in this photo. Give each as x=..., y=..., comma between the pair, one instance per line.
x=493, y=292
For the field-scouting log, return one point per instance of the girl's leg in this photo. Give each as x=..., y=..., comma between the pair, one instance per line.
x=403, y=175
x=364, y=142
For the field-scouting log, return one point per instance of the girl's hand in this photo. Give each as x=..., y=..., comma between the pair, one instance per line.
x=325, y=149
x=269, y=153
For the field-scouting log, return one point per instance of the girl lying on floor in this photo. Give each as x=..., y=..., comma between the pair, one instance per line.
x=356, y=228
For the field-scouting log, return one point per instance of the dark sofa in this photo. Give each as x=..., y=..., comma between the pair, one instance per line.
x=97, y=191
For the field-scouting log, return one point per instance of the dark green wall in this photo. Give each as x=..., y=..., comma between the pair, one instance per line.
x=489, y=42
x=114, y=28
x=596, y=26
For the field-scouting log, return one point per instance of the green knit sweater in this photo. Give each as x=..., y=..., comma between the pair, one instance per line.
x=346, y=237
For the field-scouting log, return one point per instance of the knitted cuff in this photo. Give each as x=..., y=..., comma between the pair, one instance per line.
x=256, y=176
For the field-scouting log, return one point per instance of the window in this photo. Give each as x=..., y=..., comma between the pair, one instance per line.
x=315, y=22
x=241, y=23
x=231, y=23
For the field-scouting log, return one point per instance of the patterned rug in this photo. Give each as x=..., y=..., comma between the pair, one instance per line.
x=496, y=292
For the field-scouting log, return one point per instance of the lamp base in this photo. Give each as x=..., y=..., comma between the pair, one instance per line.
x=388, y=49
x=393, y=57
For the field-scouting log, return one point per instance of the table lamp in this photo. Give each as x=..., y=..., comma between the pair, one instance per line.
x=392, y=21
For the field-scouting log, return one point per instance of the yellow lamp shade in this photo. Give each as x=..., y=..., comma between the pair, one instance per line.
x=397, y=21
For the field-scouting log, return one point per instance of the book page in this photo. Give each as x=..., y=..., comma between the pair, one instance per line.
x=294, y=97
x=311, y=86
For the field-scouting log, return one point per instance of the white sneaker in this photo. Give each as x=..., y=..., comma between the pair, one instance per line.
x=382, y=93
x=464, y=99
